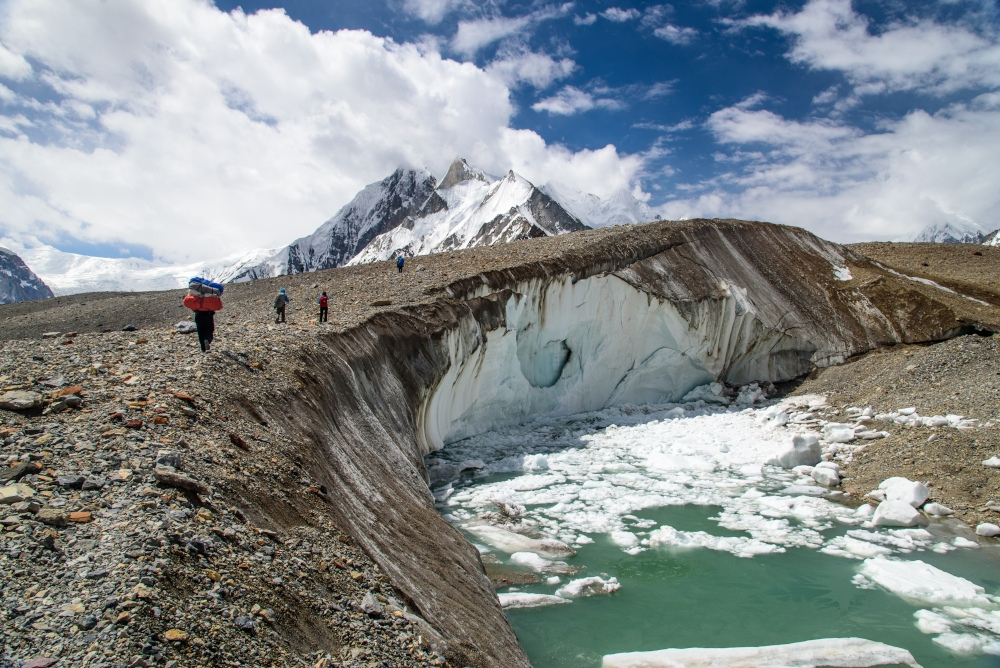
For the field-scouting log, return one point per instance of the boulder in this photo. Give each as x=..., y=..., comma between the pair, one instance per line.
x=52, y=516
x=20, y=400
x=896, y=514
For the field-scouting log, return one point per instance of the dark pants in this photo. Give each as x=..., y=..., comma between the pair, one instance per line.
x=400, y=267
x=322, y=313
x=281, y=314
x=205, y=322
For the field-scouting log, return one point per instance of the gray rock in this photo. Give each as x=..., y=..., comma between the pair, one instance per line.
x=371, y=606
x=87, y=622
x=92, y=483
x=15, y=473
x=70, y=481
x=170, y=477
x=15, y=493
x=55, y=381
x=186, y=327
x=170, y=458
x=20, y=400
x=245, y=624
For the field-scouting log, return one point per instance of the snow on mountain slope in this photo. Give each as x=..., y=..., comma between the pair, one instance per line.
x=377, y=208
x=956, y=230
x=620, y=208
x=17, y=282
x=471, y=209
x=992, y=239
x=71, y=273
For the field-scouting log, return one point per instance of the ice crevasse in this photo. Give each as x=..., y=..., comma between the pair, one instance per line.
x=570, y=346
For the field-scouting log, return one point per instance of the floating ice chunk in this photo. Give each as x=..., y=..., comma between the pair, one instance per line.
x=471, y=465
x=907, y=491
x=554, y=580
x=833, y=652
x=923, y=584
x=583, y=540
x=532, y=561
x=842, y=273
x=667, y=536
x=937, y=510
x=522, y=600
x=826, y=476
x=710, y=394
x=845, y=546
x=987, y=530
x=802, y=450
x=960, y=643
x=588, y=587
x=932, y=623
x=624, y=538
x=992, y=462
x=959, y=541
x=536, y=463
x=896, y=514
x=510, y=542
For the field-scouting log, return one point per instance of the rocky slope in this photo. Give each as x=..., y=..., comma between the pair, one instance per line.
x=334, y=421
x=17, y=282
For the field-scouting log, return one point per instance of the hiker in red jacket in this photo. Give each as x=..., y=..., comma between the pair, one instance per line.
x=323, y=303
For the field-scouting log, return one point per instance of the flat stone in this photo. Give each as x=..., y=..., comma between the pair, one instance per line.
x=15, y=473
x=175, y=634
x=55, y=381
x=171, y=478
x=80, y=516
x=41, y=662
x=15, y=493
x=20, y=400
x=92, y=484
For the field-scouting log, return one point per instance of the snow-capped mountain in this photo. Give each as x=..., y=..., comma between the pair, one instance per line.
x=992, y=239
x=957, y=230
x=377, y=208
x=17, y=282
x=71, y=273
x=410, y=213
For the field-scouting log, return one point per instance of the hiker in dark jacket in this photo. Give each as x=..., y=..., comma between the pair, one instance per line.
x=279, y=305
x=399, y=263
x=323, y=303
x=205, y=322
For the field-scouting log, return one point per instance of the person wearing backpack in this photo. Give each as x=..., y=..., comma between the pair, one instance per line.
x=323, y=303
x=399, y=263
x=279, y=306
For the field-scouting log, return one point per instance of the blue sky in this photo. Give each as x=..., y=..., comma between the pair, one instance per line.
x=139, y=128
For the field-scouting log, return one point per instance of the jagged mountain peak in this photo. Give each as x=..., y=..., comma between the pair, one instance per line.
x=459, y=172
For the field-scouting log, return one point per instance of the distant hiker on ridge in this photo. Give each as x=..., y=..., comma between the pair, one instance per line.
x=399, y=263
x=323, y=302
x=279, y=306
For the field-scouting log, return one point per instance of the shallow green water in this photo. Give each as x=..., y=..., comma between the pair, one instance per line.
x=704, y=598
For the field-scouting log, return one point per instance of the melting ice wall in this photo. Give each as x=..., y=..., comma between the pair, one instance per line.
x=569, y=346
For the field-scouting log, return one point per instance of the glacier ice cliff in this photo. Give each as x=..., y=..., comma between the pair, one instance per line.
x=643, y=313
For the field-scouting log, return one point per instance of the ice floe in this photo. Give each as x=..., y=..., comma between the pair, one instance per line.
x=592, y=586
x=833, y=652
x=524, y=600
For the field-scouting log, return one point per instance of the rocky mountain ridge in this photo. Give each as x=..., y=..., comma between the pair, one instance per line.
x=18, y=283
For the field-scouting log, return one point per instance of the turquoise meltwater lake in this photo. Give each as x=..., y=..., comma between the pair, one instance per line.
x=699, y=543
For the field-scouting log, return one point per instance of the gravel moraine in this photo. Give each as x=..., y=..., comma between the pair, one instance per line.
x=107, y=556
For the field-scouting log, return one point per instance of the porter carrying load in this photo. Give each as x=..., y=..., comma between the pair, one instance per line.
x=204, y=295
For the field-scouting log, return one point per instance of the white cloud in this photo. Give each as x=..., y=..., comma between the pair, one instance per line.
x=619, y=15
x=571, y=100
x=538, y=69
x=676, y=34
x=433, y=11
x=585, y=20
x=920, y=54
x=472, y=36
x=848, y=185
x=13, y=65
x=203, y=133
